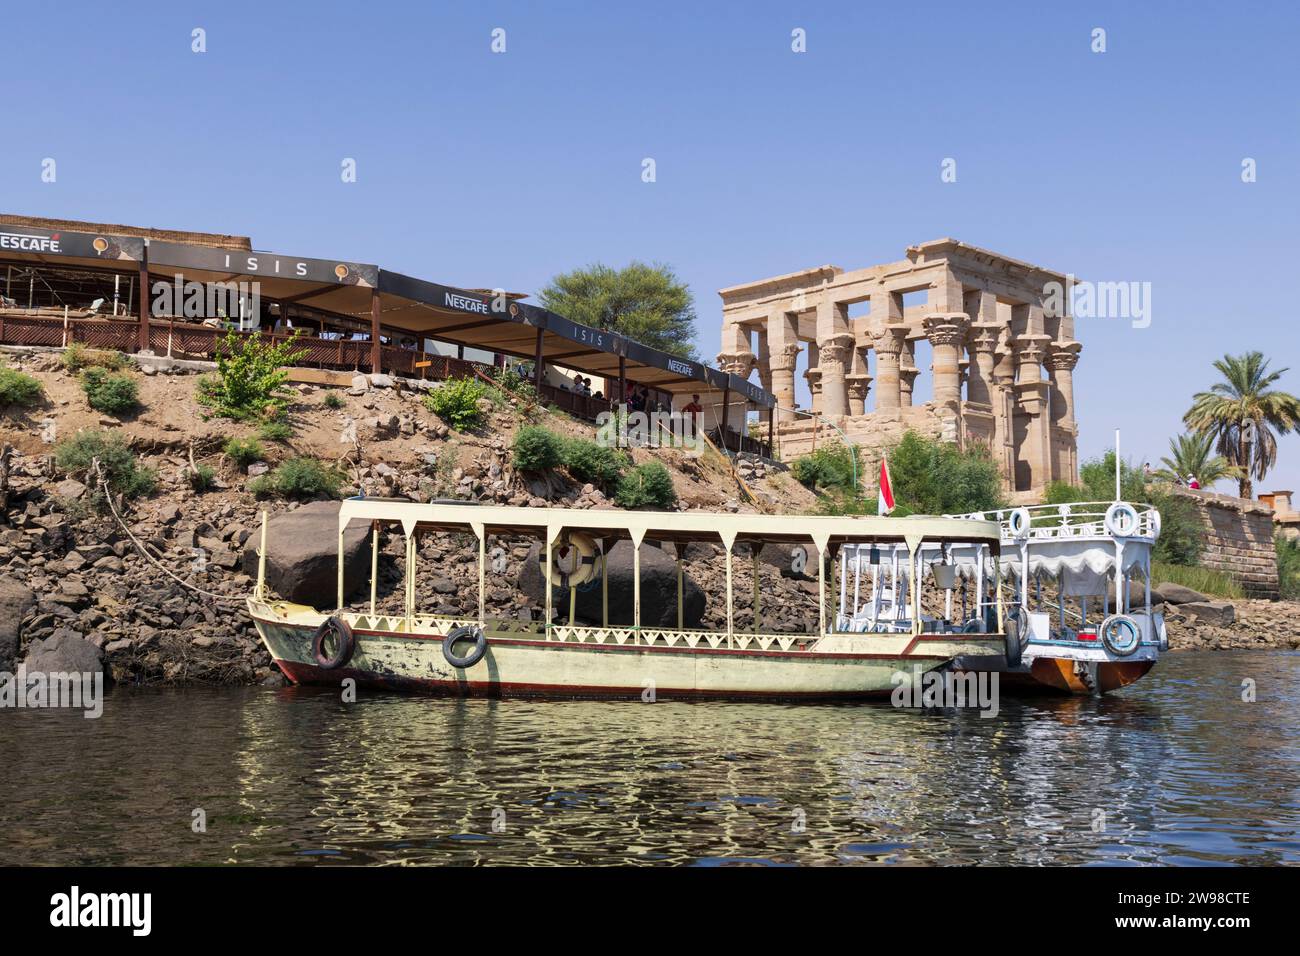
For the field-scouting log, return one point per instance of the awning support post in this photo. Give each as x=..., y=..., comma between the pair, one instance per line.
x=538, y=360
x=376, y=347
x=142, y=345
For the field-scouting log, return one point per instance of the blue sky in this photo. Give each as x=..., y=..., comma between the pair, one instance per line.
x=483, y=169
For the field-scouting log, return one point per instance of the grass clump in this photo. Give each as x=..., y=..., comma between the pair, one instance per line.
x=77, y=357
x=1288, y=567
x=830, y=468
x=458, y=402
x=648, y=485
x=108, y=392
x=332, y=400
x=251, y=380
x=300, y=478
x=202, y=479
x=19, y=389
x=1205, y=580
x=244, y=451
x=276, y=430
x=124, y=474
x=536, y=449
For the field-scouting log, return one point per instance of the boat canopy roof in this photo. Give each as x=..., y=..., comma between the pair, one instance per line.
x=675, y=526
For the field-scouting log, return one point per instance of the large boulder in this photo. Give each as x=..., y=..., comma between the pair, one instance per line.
x=64, y=652
x=658, y=590
x=15, y=603
x=302, y=554
x=1177, y=594
x=1214, y=613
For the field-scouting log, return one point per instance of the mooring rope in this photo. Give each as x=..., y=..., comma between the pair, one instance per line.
x=108, y=496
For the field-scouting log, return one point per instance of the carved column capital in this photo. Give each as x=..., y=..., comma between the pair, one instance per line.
x=946, y=328
x=889, y=340
x=984, y=336
x=1064, y=356
x=737, y=363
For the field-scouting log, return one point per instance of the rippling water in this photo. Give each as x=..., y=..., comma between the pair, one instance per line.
x=1184, y=770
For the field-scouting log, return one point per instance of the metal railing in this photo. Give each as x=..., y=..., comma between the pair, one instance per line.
x=1076, y=519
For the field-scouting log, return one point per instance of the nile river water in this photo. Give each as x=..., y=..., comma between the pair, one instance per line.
x=1176, y=769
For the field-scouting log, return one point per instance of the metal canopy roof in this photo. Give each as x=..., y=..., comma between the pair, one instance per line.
x=474, y=318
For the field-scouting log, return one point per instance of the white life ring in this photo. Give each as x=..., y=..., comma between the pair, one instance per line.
x=1155, y=523
x=1121, y=520
x=573, y=562
x=1120, y=635
x=1018, y=522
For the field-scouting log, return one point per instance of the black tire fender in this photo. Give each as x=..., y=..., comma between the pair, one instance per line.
x=343, y=635
x=468, y=632
x=1011, y=640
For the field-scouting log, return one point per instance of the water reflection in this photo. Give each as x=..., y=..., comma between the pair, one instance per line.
x=1177, y=769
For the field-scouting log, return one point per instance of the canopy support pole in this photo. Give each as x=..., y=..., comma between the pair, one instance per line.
x=482, y=578
x=376, y=347
x=538, y=360
x=374, y=568
x=756, y=547
x=143, y=344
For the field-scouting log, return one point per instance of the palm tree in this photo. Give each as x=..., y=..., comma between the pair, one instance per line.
x=1194, y=455
x=1245, y=415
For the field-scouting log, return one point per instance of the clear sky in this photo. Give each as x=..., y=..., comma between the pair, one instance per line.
x=489, y=169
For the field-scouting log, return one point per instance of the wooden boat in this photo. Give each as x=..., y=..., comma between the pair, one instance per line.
x=1093, y=635
x=560, y=657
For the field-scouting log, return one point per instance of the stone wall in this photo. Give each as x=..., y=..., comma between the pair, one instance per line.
x=1238, y=540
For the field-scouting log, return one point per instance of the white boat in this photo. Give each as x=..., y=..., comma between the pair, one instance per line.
x=1090, y=633
x=562, y=657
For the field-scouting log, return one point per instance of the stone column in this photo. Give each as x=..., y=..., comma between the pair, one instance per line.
x=834, y=339
x=782, y=357
x=906, y=380
x=946, y=331
x=1063, y=357
x=814, y=377
x=888, y=343
x=984, y=339
x=859, y=382
x=1002, y=394
x=1031, y=394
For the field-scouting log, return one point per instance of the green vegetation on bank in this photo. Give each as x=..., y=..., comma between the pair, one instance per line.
x=458, y=402
x=75, y=456
x=1207, y=581
x=244, y=451
x=648, y=485
x=251, y=380
x=300, y=478
x=77, y=357
x=110, y=392
x=537, y=449
x=1288, y=567
x=18, y=389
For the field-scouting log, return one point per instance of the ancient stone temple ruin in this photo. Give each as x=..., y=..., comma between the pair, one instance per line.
x=997, y=331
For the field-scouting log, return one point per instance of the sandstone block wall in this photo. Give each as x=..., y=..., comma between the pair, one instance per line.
x=1238, y=540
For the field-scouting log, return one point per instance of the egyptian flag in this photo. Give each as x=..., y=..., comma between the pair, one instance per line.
x=885, y=503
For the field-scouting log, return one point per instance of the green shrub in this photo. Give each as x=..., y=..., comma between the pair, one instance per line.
x=648, y=485
x=76, y=357
x=251, y=377
x=829, y=468
x=536, y=449
x=935, y=478
x=204, y=479
x=125, y=476
x=1181, y=532
x=456, y=402
x=113, y=394
x=1212, y=583
x=1288, y=567
x=332, y=400
x=300, y=478
x=588, y=461
x=244, y=451
x=275, y=430
x=18, y=389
